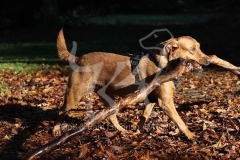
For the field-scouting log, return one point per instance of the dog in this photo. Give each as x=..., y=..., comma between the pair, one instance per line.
x=110, y=74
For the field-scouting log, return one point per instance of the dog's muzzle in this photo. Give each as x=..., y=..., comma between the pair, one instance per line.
x=208, y=61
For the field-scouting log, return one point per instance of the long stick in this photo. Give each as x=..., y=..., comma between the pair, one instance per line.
x=183, y=67
x=222, y=63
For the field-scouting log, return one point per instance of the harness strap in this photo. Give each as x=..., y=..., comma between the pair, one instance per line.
x=134, y=60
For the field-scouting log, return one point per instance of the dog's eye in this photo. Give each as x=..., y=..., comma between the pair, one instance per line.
x=193, y=50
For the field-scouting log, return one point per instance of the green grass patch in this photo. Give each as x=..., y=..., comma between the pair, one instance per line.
x=29, y=68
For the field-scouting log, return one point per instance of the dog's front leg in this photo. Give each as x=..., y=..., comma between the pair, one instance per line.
x=115, y=122
x=146, y=115
x=165, y=92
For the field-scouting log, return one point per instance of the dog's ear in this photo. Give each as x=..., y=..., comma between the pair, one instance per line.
x=167, y=50
x=165, y=47
x=173, y=46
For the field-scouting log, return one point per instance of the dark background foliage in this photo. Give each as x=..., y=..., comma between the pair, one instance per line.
x=115, y=26
x=27, y=13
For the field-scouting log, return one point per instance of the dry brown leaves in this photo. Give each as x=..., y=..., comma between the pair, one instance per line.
x=208, y=102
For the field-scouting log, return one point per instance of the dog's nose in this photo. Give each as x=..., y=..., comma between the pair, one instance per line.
x=208, y=60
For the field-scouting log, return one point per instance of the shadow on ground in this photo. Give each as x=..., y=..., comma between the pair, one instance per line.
x=18, y=124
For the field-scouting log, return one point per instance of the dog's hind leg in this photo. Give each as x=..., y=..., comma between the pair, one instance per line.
x=114, y=120
x=76, y=88
x=72, y=95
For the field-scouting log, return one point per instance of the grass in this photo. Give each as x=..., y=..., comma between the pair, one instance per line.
x=29, y=68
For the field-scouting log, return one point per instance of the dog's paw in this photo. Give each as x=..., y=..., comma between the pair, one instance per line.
x=137, y=132
x=192, y=136
x=56, y=130
x=189, y=134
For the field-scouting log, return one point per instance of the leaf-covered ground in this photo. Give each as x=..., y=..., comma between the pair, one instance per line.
x=208, y=102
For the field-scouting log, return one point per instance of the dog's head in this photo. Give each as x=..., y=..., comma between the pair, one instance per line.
x=184, y=47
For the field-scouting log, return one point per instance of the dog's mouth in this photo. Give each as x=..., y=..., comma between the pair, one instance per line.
x=206, y=61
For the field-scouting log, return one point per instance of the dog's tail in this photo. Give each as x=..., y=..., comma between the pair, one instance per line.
x=63, y=53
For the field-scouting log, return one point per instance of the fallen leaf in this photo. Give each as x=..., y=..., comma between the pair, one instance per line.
x=204, y=126
x=32, y=92
x=219, y=145
x=219, y=110
x=47, y=89
x=7, y=137
x=203, y=111
x=17, y=125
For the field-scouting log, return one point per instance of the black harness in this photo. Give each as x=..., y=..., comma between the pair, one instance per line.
x=134, y=60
